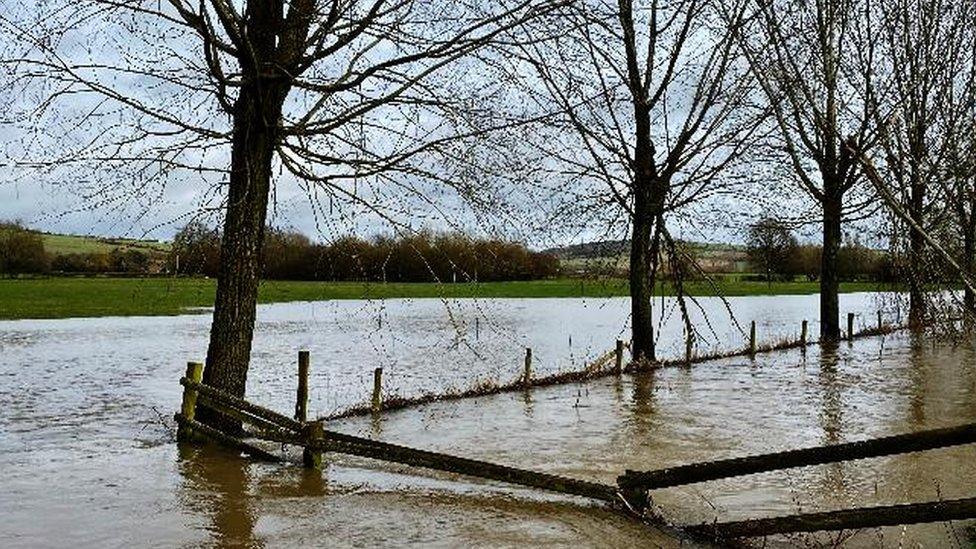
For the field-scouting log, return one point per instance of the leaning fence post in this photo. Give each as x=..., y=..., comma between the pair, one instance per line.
x=803, y=333
x=377, y=389
x=850, y=325
x=619, y=364
x=194, y=372
x=752, y=338
x=301, y=401
x=527, y=376
x=312, y=458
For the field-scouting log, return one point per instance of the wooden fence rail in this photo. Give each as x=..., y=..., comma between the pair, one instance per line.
x=819, y=455
x=847, y=519
x=279, y=428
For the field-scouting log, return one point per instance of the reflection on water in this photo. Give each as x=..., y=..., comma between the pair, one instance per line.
x=215, y=485
x=82, y=445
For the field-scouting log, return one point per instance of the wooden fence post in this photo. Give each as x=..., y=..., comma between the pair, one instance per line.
x=752, y=338
x=301, y=401
x=850, y=325
x=194, y=372
x=880, y=322
x=803, y=333
x=619, y=364
x=377, y=389
x=527, y=376
x=312, y=459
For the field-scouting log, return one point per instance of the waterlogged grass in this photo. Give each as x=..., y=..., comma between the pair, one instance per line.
x=93, y=297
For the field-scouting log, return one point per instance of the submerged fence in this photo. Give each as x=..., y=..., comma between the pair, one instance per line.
x=270, y=426
x=632, y=490
x=612, y=362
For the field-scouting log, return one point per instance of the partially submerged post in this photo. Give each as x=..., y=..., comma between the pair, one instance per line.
x=311, y=457
x=377, y=389
x=301, y=401
x=527, y=375
x=880, y=322
x=803, y=333
x=619, y=360
x=194, y=372
x=752, y=338
x=850, y=325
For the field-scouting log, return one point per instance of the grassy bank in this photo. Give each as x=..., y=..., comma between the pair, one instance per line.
x=90, y=297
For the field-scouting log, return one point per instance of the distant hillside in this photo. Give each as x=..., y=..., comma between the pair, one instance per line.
x=613, y=255
x=64, y=244
x=591, y=250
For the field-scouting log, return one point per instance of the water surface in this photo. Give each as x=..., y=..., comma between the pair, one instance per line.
x=87, y=455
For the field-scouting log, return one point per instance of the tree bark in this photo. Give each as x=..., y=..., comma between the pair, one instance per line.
x=829, y=278
x=916, y=298
x=229, y=352
x=969, y=265
x=641, y=283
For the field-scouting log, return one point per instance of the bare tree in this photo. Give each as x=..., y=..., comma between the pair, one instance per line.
x=650, y=116
x=334, y=92
x=959, y=179
x=804, y=57
x=922, y=52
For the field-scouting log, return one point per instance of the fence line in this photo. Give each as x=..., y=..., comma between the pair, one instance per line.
x=599, y=368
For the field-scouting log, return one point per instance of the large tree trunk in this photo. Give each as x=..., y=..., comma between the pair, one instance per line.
x=829, y=278
x=256, y=116
x=641, y=283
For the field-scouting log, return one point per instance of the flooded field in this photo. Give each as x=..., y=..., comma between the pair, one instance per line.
x=87, y=454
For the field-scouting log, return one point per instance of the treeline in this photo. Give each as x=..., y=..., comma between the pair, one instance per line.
x=289, y=255
x=776, y=254
x=423, y=257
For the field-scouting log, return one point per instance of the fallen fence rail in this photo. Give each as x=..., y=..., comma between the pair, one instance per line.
x=819, y=455
x=847, y=519
x=636, y=484
x=277, y=427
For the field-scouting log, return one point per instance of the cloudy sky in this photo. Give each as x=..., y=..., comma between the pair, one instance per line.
x=123, y=199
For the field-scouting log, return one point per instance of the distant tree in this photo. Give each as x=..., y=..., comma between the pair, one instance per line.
x=129, y=261
x=196, y=250
x=807, y=261
x=21, y=250
x=288, y=255
x=771, y=248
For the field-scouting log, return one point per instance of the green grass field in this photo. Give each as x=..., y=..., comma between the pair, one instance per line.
x=92, y=297
x=61, y=244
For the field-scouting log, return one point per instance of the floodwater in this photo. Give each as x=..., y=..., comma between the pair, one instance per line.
x=88, y=458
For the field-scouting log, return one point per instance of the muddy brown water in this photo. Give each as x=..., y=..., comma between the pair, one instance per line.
x=86, y=461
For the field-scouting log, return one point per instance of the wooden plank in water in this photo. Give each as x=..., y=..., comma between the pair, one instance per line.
x=848, y=519
x=225, y=439
x=384, y=451
x=878, y=447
